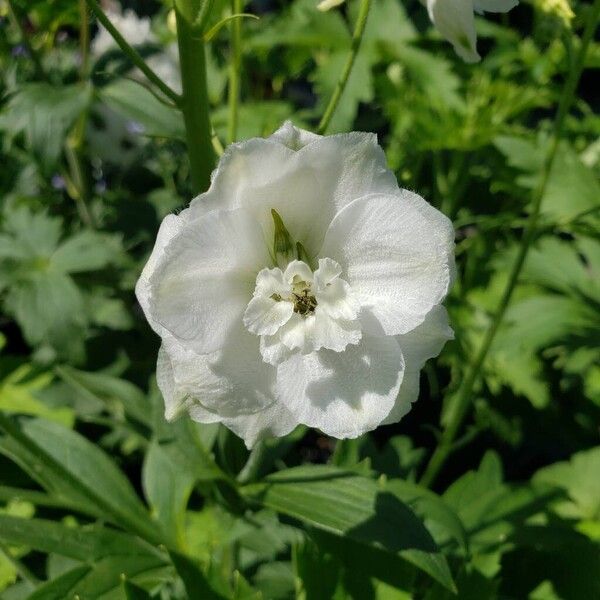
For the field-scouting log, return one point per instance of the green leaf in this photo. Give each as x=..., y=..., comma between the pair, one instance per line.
x=80, y=472
x=88, y=544
x=45, y=114
x=135, y=102
x=104, y=579
x=580, y=478
x=355, y=507
x=109, y=391
x=86, y=251
x=61, y=587
x=194, y=580
x=134, y=592
x=167, y=487
x=18, y=395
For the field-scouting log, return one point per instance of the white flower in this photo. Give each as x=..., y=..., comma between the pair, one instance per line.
x=455, y=20
x=136, y=31
x=303, y=287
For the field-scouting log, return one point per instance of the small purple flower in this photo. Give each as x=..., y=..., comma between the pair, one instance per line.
x=134, y=127
x=58, y=182
x=19, y=51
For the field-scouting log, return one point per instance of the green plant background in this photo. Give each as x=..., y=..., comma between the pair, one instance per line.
x=101, y=498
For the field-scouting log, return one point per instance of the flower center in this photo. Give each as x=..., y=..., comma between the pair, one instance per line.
x=301, y=296
x=298, y=310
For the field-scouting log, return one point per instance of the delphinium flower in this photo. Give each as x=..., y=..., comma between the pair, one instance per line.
x=304, y=287
x=455, y=20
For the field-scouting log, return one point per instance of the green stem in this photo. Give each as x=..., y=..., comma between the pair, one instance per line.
x=235, y=66
x=131, y=53
x=363, y=13
x=464, y=394
x=194, y=101
x=17, y=17
x=253, y=465
x=84, y=40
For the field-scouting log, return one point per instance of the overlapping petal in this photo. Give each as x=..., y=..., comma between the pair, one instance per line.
x=344, y=394
x=396, y=254
x=305, y=177
x=203, y=278
x=418, y=346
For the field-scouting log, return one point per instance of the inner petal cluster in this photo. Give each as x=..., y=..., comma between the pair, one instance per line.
x=300, y=311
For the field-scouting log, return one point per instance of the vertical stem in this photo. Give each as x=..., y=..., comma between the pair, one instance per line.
x=84, y=39
x=359, y=29
x=235, y=67
x=464, y=394
x=194, y=101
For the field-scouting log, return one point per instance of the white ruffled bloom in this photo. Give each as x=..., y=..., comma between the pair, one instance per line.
x=455, y=20
x=303, y=287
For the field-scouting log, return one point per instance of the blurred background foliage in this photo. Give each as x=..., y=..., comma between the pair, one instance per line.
x=110, y=501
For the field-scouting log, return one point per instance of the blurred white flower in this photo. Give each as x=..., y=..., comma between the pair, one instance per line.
x=303, y=287
x=455, y=20
x=137, y=32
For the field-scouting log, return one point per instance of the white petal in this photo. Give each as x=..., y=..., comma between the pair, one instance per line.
x=343, y=394
x=271, y=281
x=293, y=137
x=496, y=6
x=418, y=346
x=273, y=350
x=169, y=228
x=205, y=277
x=454, y=19
x=274, y=421
x=231, y=382
x=265, y=316
x=334, y=333
x=328, y=271
x=300, y=269
x=396, y=253
x=307, y=187
x=298, y=333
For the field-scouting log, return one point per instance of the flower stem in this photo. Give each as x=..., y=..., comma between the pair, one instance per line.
x=235, y=67
x=464, y=394
x=194, y=101
x=253, y=465
x=363, y=13
x=131, y=53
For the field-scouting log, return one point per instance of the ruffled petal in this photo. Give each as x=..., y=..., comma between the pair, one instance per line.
x=455, y=20
x=307, y=186
x=343, y=394
x=264, y=316
x=169, y=228
x=396, y=253
x=234, y=389
x=232, y=382
x=276, y=420
x=418, y=346
x=205, y=276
